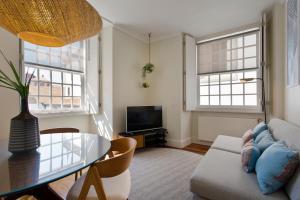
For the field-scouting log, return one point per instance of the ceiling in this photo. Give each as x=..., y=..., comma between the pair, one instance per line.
x=164, y=18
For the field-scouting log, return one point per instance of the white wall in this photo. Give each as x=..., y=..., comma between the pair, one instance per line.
x=80, y=121
x=286, y=101
x=129, y=56
x=292, y=94
x=167, y=89
x=276, y=61
x=9, y=100
x=102, y=123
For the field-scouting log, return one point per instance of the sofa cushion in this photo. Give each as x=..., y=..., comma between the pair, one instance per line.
x=248, y=135
x=259, y=128
x=275, y=167
x=250, y=154
x=282, y=130
x=228, y=143
x=219, y=175
x=261, y=135
x=266, y=141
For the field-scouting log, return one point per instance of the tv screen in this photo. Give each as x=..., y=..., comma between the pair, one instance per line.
x=143, y=118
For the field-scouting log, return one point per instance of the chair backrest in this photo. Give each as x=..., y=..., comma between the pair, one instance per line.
x=113, y=166
x=59, y=130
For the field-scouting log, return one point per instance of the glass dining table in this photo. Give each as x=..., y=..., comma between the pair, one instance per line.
x=59, y=155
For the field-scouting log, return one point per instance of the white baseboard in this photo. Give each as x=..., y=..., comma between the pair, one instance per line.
x=178, y=143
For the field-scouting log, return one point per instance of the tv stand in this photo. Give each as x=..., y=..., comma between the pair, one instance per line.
x=148, y=138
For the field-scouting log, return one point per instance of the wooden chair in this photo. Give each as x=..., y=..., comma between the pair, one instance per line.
x=110, y=177
x=59, y=130
x=26, y=197
x=62, y=130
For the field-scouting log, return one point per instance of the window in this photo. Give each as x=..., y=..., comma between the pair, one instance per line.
x=221, y=65
x=58, y=83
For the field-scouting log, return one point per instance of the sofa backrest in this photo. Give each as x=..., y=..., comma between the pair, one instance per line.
x=289, y=133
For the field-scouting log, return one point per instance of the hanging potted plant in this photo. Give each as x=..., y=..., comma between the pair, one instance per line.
x=24, y=128
x=148, y=68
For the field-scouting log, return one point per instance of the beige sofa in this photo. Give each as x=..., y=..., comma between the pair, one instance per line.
x=219, y=175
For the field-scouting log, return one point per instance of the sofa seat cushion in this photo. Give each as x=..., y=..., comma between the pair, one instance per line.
x=219, y=175
x=228, y=143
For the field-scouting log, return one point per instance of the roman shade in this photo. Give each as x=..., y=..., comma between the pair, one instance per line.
x=228, y=53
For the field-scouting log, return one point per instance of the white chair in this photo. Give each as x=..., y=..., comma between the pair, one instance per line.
x=110, y=177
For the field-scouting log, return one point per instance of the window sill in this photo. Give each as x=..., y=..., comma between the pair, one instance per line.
x=59, y=114
x=248, y=110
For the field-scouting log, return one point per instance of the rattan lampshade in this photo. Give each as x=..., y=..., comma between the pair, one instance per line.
x=51, y=23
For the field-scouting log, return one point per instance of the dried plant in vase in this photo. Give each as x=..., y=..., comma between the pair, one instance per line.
x=24, y=128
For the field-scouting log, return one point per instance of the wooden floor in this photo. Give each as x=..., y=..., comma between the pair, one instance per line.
x=197, y=148
x=61, y=187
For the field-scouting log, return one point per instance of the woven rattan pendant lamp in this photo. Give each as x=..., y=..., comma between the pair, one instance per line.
x=52, y=23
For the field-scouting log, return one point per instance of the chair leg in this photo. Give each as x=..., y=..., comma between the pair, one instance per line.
x=80, y=172
x=76, y=176
x=92, y=178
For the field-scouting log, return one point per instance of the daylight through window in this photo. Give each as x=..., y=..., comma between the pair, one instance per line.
x=59, y=74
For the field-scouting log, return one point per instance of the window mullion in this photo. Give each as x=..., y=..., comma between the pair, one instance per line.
x=50, y=84
x=244, y=101
x=62, y=90
x=231, y=99
x=209, y=90
x=38, y=83
x=219, y=89
x=72, y=89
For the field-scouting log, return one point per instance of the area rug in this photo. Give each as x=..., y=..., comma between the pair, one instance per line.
x=162, y=174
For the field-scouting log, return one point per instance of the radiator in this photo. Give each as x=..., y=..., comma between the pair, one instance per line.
x=209, y=127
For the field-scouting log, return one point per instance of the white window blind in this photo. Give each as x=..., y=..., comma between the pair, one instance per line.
x=228, y=54
x=70, y=57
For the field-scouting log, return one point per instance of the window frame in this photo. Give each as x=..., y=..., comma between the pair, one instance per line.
x=62, y=111
x=233, y=108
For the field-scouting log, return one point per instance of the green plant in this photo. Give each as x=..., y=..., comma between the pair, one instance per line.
x=15, y=83
x=147, y=69
x=145, y=85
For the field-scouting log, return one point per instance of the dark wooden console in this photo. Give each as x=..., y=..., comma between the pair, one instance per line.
x=148, y=138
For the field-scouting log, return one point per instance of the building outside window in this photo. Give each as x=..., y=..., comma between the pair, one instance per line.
x=58, y=84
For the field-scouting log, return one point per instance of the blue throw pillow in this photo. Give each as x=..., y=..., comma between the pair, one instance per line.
x=262, y=134
x=249, y=154
x=275, y=166
x=265, y=141
x=259, y=128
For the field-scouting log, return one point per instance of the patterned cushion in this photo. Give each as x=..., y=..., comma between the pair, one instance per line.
x=249, y=154
x=259, y=128
x=266, y=141
x=248, y=135
x=275, y=166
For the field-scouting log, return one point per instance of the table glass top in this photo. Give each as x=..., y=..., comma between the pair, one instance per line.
x=58, y=156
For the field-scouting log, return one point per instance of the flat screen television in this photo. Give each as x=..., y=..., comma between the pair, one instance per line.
x=140, y=118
